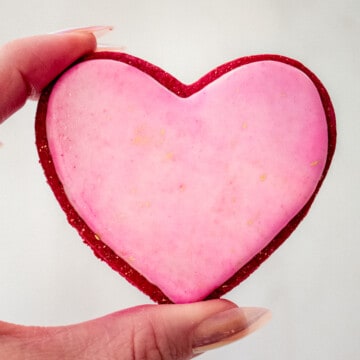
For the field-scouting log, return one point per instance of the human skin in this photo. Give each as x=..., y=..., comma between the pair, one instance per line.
x=144, y=332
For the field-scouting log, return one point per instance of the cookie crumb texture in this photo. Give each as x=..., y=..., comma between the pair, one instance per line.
x=185, y=189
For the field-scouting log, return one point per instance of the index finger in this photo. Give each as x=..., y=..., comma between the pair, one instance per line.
x=28, y=65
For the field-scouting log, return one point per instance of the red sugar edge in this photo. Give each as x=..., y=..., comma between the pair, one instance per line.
x=101, y=250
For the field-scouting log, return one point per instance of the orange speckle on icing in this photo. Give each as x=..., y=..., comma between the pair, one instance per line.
x=182, y=187
x=263, y=177
x=133, y=190
x=139, y=140
x=140, y=137
x=314, y=163
x=97, y=237
x=145, y=205
x=169, y=156
x=244, y=125
x=250, y=222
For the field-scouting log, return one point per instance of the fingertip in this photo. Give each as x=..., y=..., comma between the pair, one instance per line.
x=84, y=41
x=64, y=49
x=228, y=326
x=28, y=65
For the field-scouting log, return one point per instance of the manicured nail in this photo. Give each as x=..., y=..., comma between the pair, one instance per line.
x=97, y=31
x=109, y=47
x=228, y=326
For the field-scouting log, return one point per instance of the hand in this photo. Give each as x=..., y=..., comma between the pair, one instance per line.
x=145, y=332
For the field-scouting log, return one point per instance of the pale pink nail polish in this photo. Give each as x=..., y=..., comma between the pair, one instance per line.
x=97, y=31
x=109, y=47
x=228, y=326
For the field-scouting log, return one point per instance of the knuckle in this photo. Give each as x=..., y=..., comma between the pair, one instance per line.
x=152, y=343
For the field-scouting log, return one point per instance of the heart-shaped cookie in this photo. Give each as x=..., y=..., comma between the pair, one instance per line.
x=185, y=189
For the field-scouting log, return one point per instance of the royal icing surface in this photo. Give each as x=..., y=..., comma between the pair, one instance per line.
x=187, y=190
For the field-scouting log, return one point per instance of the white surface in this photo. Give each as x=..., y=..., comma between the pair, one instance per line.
x=312, y=283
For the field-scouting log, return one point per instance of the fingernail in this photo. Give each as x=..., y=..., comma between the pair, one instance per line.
x=97, y=31
x=109, y=47
x=228, y=326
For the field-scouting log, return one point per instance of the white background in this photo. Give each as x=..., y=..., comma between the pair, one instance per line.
x=312, y=283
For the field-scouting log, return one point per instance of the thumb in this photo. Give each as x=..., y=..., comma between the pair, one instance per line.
x=153, y=332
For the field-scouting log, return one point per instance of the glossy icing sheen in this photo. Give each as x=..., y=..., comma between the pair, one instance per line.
x=187, y=190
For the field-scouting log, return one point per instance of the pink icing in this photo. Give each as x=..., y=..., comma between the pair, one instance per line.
x=187, y=190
